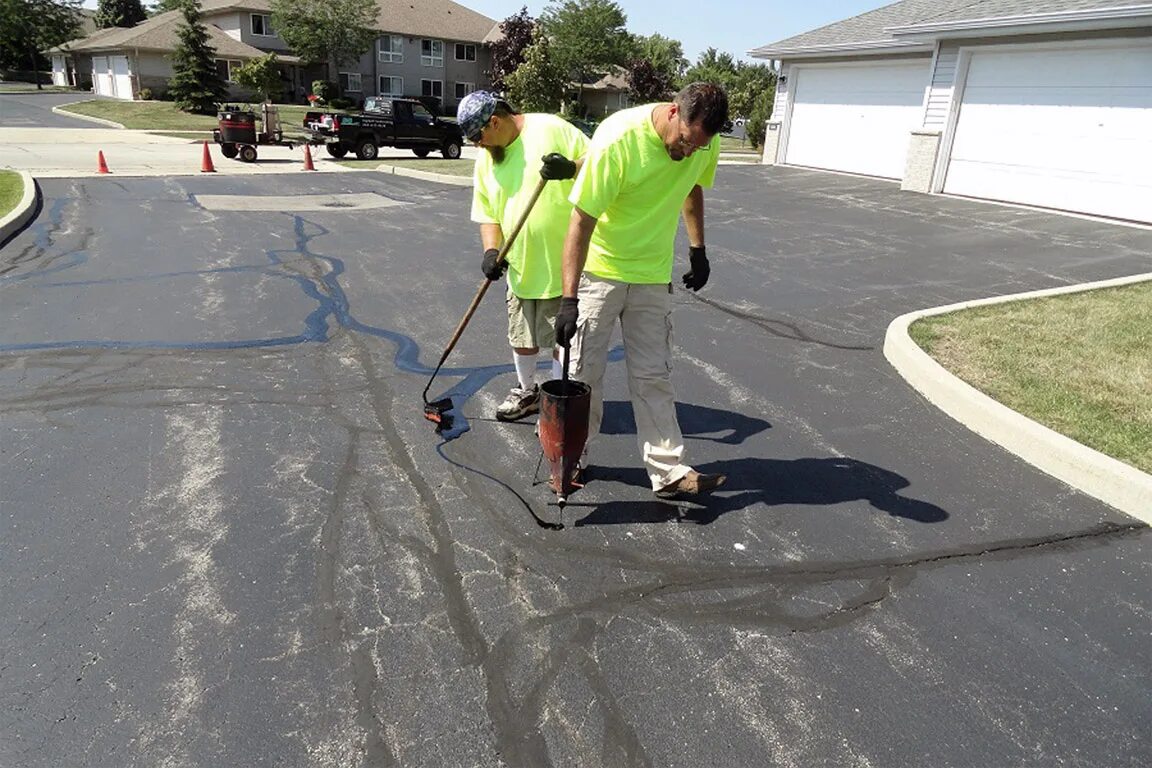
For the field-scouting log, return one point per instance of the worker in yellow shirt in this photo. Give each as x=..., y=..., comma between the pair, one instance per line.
x=517, y=147
x=646, y=166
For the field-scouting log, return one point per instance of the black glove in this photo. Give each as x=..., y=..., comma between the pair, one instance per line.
x=491, y=269
x=556, y=167
x=566, y=321
x=696, y=277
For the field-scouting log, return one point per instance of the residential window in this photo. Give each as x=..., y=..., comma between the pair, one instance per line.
x=465, y=52
x=262, y=25
x=463, y=89
x=432, y=88
x=391, y=48
x=225, y=68
x=391, y=86
x=350, y=81
x=432, y=53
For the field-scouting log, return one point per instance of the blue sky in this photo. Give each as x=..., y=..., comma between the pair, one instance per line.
x=735, y=26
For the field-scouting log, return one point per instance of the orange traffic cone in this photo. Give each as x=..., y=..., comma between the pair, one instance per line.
x=308, y=159
x=102, y=167
x=206, y=164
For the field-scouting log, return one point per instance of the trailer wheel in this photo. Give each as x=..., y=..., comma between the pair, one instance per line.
x=228, y=149
x=421, y=152
x=248, y=153
x=337, y=150
x=366, y=149
x=451, y=149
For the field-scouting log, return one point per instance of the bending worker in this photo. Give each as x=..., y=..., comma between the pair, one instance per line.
x=505, y=176
x=645, y=166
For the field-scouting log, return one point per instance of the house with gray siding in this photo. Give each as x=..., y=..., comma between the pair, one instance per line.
x=1037, y=102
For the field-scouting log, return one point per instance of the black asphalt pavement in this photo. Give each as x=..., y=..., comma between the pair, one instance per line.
x=229, y=538
x=33, y=109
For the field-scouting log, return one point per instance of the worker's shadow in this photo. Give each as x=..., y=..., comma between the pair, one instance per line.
x=771, y=482
x=698, y=422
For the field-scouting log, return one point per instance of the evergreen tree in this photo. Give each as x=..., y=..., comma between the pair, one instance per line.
x=195, y=84
x=119, y=13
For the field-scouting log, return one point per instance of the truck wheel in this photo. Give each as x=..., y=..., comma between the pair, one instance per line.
x=228, y=149
x=366, y=149
x=451, y=149
x=337, y=150
x=421, y=152
x=248, y=153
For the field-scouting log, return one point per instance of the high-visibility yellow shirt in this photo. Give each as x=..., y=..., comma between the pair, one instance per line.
x=636, y=191
x=501, y=192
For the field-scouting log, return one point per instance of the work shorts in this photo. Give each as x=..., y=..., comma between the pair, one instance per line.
x=532, y=322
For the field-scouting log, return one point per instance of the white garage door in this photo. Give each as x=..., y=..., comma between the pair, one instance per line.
x=856, y=118
x=121, y=77
x=102, y=77
x=1066, y=128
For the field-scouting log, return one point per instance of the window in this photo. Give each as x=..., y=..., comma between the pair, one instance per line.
x=432, y=53
x=226, y=68
x=391, y=86
x=350, y=81
x=391, y=48
x=432, y=88
x=262, y=25
x=463, y=89
x=465, y=52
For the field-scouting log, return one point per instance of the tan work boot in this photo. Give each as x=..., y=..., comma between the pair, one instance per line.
x=692, y=484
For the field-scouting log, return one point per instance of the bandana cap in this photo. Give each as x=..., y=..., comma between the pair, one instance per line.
x=475, y=111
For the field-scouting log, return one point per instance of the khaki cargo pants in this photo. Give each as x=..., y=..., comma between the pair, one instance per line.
x=645, y=315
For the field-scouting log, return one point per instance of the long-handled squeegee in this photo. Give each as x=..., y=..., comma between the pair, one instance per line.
x=437, y=410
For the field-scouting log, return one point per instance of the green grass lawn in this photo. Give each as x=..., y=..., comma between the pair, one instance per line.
x=11, y=191
x=164, y=116
x=1080, y=364
x=460, y=167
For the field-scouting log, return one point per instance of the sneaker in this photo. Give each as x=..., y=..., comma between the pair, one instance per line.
x=519, y=403
x=692, y=484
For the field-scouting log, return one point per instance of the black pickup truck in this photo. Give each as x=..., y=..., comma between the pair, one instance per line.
x=384, y=122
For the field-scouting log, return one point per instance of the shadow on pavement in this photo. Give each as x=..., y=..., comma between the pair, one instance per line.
x=696, y=421
x=771, y=482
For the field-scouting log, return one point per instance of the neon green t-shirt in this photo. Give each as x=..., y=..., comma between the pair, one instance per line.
x=637, y=192
x=502, y=190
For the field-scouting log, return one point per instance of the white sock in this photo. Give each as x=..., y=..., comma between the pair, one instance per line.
x=525, y=369
x=557, y=369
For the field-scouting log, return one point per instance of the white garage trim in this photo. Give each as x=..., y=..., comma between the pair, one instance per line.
x=854, y=116
x=1059, y=125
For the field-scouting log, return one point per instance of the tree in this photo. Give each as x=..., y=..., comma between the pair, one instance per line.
x=163, y=6
x=748, y=86
x=538, y=83
x=712, y=67
x=28, y=27
x=262, y=76
x=119, y=13
x=516, y=34
x=665, y=55
x=195, y=85
x=648, y=84
x=588, y=38
x=331, y=32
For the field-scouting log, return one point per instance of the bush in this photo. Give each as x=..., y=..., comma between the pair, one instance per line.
x=341, y=103
x=757, y=122
x=145, y=94
x=325, y=90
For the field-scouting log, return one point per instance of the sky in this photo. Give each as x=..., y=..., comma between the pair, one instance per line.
x=732, y=26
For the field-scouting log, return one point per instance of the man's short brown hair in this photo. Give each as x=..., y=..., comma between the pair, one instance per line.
x=705, y=104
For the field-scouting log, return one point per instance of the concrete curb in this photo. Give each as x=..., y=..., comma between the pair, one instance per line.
x=60, y=110
x=20, y=215
x=1113, y=482
x=443, y=178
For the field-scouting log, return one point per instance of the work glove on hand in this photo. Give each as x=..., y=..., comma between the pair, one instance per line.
x=490, y=267
x=566, y=321
x=556, y=167
x=697, y=277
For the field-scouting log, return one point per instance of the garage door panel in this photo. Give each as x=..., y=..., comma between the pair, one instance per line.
x=855, y=118
x=1068, y=129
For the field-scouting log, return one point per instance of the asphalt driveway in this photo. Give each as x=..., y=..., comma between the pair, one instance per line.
x=231, y=539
